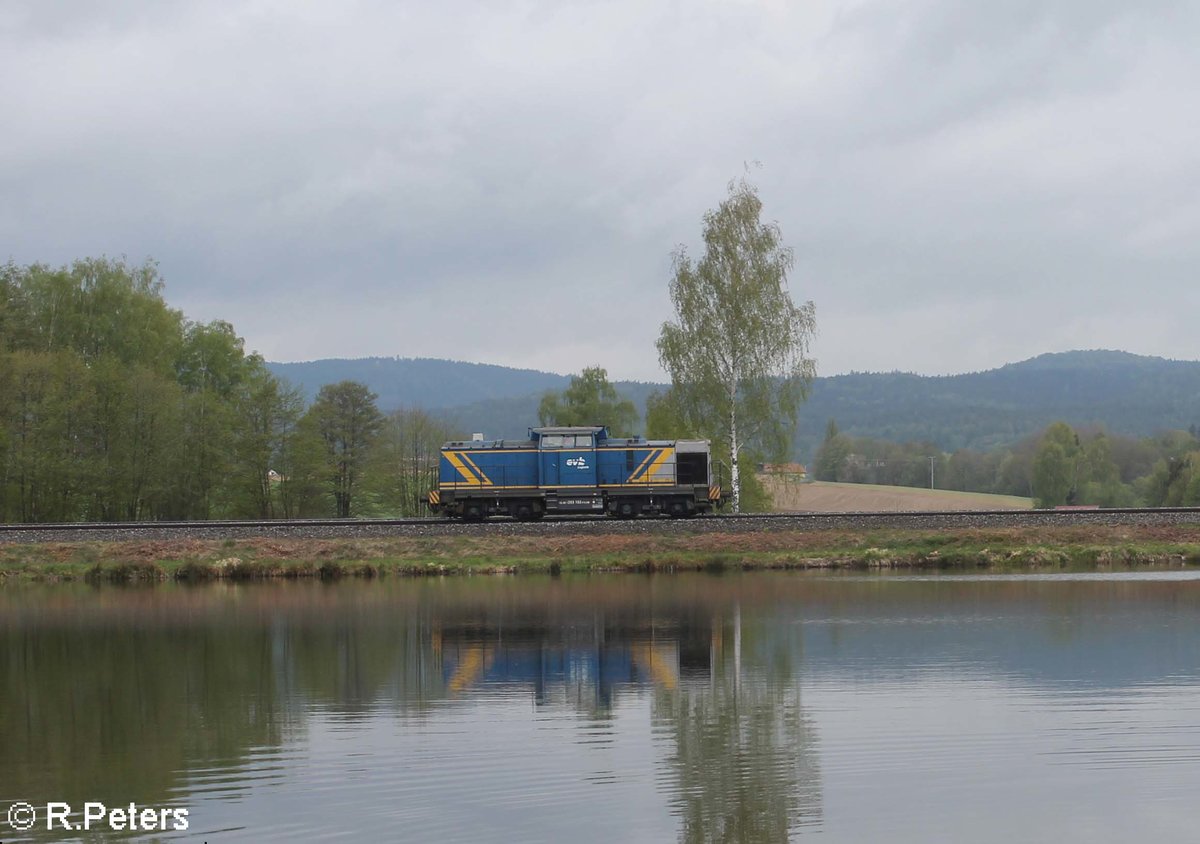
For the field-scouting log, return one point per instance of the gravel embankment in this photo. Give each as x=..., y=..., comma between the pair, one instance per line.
x=922, y=521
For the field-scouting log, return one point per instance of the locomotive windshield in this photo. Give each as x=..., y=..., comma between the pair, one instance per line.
x=566, y=441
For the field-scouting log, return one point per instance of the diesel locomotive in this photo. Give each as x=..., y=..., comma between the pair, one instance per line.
x=574, y=470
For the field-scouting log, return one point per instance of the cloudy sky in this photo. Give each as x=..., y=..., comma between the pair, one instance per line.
x=964, y=184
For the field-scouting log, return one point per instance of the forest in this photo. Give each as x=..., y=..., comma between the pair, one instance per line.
x=116, y=407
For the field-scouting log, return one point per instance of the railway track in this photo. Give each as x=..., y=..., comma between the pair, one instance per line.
x=420, y=527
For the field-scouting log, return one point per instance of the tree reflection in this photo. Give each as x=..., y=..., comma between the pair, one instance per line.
x=145, y=695
x=119, y=712
x=745, y=763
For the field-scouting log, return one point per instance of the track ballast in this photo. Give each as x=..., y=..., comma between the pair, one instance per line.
x=425, y=527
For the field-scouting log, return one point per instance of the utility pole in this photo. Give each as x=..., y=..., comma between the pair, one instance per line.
x=931, y=472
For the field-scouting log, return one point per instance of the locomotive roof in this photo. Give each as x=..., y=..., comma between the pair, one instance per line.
x=577, y=429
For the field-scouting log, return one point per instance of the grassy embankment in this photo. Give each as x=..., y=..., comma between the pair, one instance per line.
x=967, y=548
x=998, y=549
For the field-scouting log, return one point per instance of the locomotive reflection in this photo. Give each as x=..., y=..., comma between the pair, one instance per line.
x=591, y=662
x=743, y=753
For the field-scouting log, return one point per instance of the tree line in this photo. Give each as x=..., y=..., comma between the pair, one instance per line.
x=1057, y=466
x=114, y=406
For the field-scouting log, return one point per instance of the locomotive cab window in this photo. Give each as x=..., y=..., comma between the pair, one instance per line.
x=553, y=441
x=692, y=468
x=582, y=441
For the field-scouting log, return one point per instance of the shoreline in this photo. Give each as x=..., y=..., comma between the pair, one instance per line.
x=974, y=549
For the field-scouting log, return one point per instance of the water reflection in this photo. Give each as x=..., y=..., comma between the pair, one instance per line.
x=742, y=763
x=744, y=766
x=738, y=708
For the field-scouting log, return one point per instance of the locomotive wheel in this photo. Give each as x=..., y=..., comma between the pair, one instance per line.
x=523, y=512
x=626, y=510
x=473, y=513
x=678, y=510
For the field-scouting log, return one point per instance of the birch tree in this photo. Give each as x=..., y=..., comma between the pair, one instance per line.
x=737, y=352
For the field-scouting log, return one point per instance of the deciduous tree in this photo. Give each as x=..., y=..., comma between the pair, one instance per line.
x=591, y=399
x=348, y=422
x=737, y=352
x=405, y=467
x=1056, y=466
x=268, y=412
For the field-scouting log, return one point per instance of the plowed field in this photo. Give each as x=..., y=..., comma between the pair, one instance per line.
x=822, y=497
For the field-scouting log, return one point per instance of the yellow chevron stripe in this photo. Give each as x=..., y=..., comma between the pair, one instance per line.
x=641, y=466
x=657, y=665
x=470, y=668
x=662, y=458
x=478, y=471
x=457, y=463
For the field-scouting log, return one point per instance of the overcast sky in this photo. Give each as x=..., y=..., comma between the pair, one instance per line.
x=964, y=184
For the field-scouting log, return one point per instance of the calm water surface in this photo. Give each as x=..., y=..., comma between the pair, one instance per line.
x=757, y=707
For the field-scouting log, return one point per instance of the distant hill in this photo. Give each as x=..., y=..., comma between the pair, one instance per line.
x=421, y=382
x=511, y=417
x=1126, y=393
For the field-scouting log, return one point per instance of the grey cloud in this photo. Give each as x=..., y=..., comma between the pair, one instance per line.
x=993, y=179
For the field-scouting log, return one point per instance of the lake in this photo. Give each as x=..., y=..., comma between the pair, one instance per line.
x=757, y=707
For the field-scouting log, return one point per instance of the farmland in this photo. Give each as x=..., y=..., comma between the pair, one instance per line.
x=790, y=495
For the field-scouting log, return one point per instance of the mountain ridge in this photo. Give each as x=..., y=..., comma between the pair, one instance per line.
x=1121, y=391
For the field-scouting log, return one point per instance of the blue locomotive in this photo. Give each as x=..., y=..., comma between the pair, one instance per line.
x=574, y=470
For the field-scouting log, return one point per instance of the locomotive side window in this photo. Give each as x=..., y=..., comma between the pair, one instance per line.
x=567, y=441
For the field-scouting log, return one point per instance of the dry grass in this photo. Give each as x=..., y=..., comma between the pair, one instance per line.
x=254, y=559
x=823, y=497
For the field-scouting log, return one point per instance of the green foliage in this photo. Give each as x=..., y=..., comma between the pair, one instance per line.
x=755, y=497
x=115, y=407
x=300, y=488
x=833, y=454
x=1174, y=481
x=348, y=422
x=737, y=352
x=591, y=399
x=980, y=411
x=268, y=415
x=847, y=459
x=666, y=418
x=405, y=463
x=1056, y=466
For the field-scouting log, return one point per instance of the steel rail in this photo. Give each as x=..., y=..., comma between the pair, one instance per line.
x=1015, y=516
